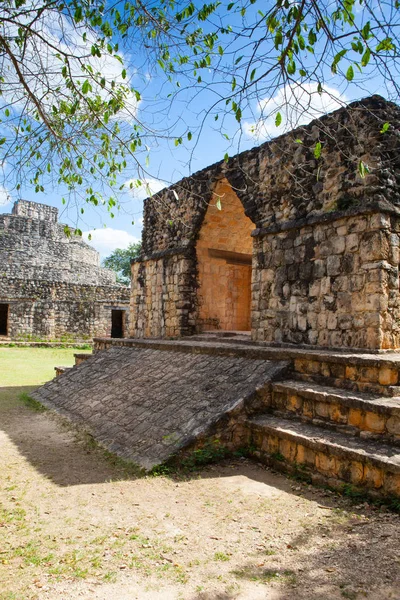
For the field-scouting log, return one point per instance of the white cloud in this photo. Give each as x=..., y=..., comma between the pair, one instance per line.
x=107, y=240
x=297, y=104
x=5, y=197
x=146, y=188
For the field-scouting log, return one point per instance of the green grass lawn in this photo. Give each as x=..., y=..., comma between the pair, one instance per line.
x=20, y=367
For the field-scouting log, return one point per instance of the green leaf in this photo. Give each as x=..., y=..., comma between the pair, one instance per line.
x=278, y=119
x=365, y=32
x=363, y=169
x=385, y=45
x=317, y=150
x=252, y=74
x=350, y=73
x=86, y=87
x=385, y=127
x=298, y=141
x=291, y=67
x=2, y=141
x=365, y=58
x=218, y=204
x=7, y=112
x=337, y=59
x=226, y=157
x=123, y=74
x=189, y=136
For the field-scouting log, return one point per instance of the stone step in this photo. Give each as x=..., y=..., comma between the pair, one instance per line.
x=61, y=370
x=81, y=357
x=348, y=384
x=367, y=415
x=323, y=456
x=363, y=373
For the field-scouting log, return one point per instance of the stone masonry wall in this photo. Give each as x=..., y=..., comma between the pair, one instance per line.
x=163, y=299
x=281, y=180
x=325, y=264
x=52, y=284
x=37, y=248
x=61, y=310
x=330, y=284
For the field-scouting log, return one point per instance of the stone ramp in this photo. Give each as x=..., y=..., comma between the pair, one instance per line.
x=146, y=404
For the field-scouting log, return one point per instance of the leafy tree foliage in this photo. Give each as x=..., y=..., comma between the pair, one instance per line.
x=69, y=114
x=120, y=261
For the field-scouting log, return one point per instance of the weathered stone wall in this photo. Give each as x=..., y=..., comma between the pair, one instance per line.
x=332, y=283
x=37, y=248
x=33, y=210
x=282, y=180
x=163, y=300
x=53, y=284
x=40, y=309
x=324, y=261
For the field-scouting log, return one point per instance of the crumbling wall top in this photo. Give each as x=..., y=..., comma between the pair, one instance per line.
x=33, y=210
x=345, y=160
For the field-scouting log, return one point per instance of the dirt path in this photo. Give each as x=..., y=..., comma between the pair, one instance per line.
x=73, y=524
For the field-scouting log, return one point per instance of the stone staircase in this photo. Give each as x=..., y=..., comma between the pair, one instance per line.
x=335, y=420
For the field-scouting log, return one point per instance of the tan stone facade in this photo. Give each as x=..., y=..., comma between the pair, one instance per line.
x=323, y=240
x=330, y=284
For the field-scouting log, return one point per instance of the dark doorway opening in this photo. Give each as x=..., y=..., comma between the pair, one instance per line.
x=3, y=319
x=117, y=323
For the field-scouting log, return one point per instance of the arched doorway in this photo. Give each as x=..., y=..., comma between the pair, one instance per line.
x=224, y=258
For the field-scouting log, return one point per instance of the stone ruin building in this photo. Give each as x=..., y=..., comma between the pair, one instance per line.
x=52, y=286
x=297, y=242
x=304, y=250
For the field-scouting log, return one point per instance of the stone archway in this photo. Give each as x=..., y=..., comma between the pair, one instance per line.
x=224, y=260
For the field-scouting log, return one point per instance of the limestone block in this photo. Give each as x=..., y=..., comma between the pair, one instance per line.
x=373, y=476
x=357, y=472
x=355, y=418
x=332, y=320
x=288, y=449
x=374, y=422
x=379, y=221
x=374, y=246
x=338, y=244
x=333, y=265
x=393, y=425
x=388, y=376
x=322, y=409
x=325, y=464
x=319, y=269
x=352, y=242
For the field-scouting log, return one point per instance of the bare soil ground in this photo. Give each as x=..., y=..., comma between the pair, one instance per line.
x=76, y=523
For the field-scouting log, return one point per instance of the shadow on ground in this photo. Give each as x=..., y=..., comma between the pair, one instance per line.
x=353, y=559
x=53, y=447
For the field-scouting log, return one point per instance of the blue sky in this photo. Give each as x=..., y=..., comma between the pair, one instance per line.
x=169, y=163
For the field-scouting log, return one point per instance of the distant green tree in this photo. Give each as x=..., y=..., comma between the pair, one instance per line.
x=120, y=261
